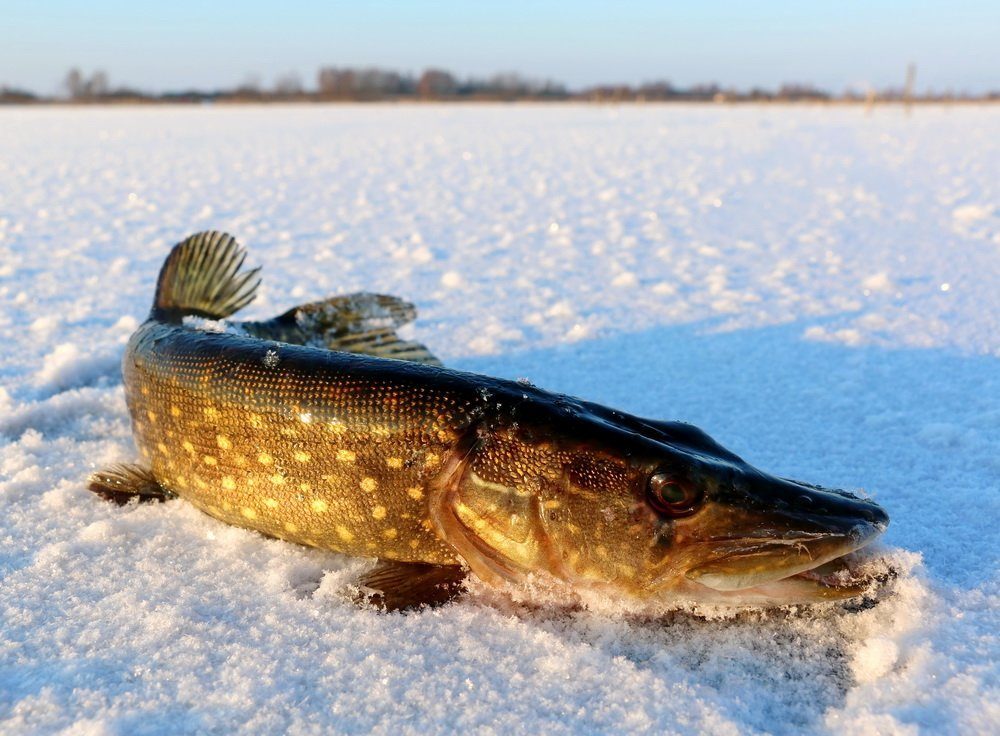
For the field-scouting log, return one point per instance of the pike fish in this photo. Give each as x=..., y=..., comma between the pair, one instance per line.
x=324, y=428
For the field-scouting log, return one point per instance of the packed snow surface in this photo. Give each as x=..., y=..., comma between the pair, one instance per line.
x=817, y=288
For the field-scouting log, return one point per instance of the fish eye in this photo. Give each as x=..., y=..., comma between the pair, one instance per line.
x=671, y=494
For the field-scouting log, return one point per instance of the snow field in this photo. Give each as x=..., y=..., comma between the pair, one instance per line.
x=817, y=289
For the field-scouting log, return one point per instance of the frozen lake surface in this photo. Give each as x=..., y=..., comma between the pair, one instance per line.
x=816, y=288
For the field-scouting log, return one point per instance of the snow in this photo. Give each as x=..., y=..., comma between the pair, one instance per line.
x=817, y=288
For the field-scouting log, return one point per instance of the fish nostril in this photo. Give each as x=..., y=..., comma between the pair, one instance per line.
x=810, y=504
x=876, y=515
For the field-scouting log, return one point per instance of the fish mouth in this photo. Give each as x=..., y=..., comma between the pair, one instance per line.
x=799, y=569
x=784, y=543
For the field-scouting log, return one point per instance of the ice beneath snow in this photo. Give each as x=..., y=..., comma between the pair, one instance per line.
x=816, y=288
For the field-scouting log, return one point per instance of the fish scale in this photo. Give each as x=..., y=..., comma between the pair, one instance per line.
x=302, y=449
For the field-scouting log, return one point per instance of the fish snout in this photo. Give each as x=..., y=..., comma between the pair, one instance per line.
x=821, y=509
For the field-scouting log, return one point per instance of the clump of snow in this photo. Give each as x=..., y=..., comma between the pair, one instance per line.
x=67, y=366
x=874, y=659
x=451, y=279
x=878, y=282
x=760, y=272
x=203, y=324
x=971, y=212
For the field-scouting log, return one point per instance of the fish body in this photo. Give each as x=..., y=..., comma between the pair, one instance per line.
x=355, y=441
x=328, y=449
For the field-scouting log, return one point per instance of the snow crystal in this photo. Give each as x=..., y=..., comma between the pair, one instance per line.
x=814, y=287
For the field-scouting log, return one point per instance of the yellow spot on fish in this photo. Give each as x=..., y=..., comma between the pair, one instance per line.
x=161, y=447
x=379, y=512
x=394, y=462
x=175, y=410
x=368, y=484
x=290, y=527
x=305, y=487
x=414, y=543
x=209, y=460
x=416, y=493
x=249, y=512
x=265, y=459
x=551, y=504
x=228, y=483
x=271, y=503
x=346, y=456
x=303, y=457
x=431, y=459
x=223, y=442
x=278, y=479
x=256, y=421
x=336, y=427
x=240, y=460
x=211, y=413
x=390, y=534
x=344, y=533
x=226, y=506
x=319, y=505
x=187, y=446
x=151, y=415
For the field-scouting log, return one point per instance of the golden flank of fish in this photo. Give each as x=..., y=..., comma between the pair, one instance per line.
x=322, y=427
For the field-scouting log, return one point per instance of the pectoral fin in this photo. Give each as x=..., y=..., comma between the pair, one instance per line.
x=121, y=483
x=395, y=586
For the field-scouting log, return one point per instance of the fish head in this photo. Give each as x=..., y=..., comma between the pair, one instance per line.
x=657, y=510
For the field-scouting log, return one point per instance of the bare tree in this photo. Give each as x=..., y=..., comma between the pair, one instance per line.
x=98, y=84
x=333, y=82
x=74, y=84
x=249, y=87
x=288, y=85
x=435, y=83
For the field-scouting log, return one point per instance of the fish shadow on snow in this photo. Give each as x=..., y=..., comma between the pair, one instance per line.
x=917, y=429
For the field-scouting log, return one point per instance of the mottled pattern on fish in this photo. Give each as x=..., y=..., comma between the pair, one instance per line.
x=320, y=448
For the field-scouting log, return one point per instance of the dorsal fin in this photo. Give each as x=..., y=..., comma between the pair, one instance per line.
x=202, y=277
x=353, y=323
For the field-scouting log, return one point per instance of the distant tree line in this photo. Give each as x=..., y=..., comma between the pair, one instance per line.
x=365, y=84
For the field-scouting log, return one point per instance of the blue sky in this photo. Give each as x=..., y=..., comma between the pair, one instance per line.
x=188, y=43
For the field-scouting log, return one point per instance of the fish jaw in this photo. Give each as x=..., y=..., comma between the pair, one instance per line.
x=811, y=570
x=784, y=542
